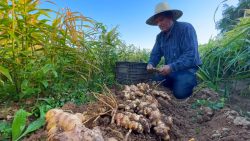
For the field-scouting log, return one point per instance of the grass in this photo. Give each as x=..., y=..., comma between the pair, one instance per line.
x=227, y=58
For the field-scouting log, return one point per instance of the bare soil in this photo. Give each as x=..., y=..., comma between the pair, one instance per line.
x=198, y=123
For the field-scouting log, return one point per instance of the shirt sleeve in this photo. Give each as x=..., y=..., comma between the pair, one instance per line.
x=188, y=47
x=156, y=53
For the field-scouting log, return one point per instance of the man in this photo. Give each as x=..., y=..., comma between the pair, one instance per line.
x=177, y=42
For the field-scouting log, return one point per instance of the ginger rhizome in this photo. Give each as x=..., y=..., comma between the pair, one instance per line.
x=140, y=102
x=64, y=126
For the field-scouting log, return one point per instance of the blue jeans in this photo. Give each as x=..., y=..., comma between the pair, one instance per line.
x=180, y=82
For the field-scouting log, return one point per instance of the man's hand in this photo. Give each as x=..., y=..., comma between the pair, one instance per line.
x=165, y=70
x=150, y=68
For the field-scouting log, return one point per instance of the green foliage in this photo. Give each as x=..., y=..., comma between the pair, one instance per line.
x=5, y=72
x=133, y=54
x=19, y=129
x=42, y=59
x=227, y=58
x=231, y=15
x=62, y=58
x=207, y=103
x=18, y=124
x=5, y=130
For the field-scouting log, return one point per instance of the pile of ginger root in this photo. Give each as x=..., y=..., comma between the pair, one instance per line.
x=140, y=111
x=136, y=110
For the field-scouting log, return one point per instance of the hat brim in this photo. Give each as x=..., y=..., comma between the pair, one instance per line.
x=176, y=15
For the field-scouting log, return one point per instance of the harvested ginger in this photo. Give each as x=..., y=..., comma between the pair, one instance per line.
x=62, y=126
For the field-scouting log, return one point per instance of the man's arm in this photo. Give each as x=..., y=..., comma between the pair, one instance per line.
x=156, y=53
x=188, y=47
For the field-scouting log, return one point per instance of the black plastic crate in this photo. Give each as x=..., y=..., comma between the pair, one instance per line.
x=131, y=72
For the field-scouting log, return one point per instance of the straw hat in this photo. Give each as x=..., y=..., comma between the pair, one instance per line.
x=163, y=8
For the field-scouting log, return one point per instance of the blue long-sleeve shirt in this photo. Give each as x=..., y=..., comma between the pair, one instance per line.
x=179, y=46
